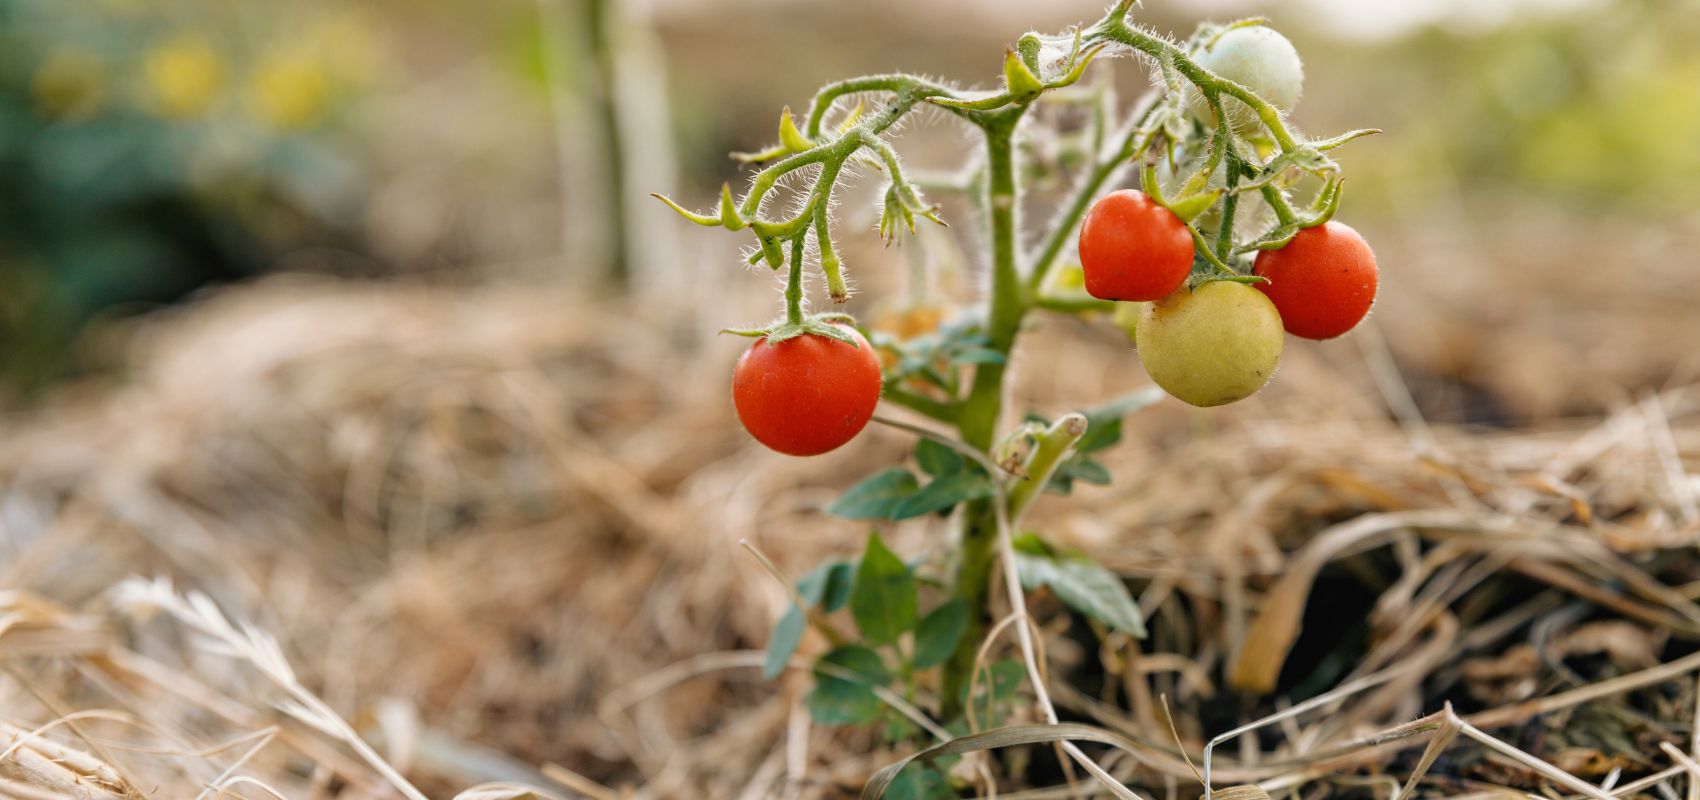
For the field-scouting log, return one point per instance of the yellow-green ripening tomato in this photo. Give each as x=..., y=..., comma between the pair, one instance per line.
x=1212, y=345
x=1260, y=59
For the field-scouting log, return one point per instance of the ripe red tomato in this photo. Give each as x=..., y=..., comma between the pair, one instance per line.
x=807, y=395
x=1133, y=249
x=1323, y=281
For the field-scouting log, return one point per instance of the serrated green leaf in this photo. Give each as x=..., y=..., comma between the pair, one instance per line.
x=877, y=496
x=782, y=643
x=840, y=699
x=937, y=459
x=938, y=633
x=1086, y=587
x=884, y=598
x=944, y=493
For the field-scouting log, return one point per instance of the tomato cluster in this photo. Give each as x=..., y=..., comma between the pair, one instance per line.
x=1220, y=342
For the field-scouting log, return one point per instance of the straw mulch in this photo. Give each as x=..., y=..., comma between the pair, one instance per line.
x=494, y=534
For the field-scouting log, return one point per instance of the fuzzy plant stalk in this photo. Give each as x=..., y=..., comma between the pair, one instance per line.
x=1181, y=260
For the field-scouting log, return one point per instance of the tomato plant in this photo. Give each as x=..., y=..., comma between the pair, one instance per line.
x=1133, y=249
x=809, y=394
x=1323, y=281
x=1170, y=263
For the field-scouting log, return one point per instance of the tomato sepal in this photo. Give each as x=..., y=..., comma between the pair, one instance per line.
x=829, y=325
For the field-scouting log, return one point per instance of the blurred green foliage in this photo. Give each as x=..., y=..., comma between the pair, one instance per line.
x=153, y=148
x=1597, y=109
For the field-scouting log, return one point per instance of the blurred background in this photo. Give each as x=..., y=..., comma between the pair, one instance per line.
x=358, y=316
x=1538, y=166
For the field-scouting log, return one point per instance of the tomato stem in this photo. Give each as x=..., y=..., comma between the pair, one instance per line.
x=794, y=285
x=978, y=414
x=1230, y=204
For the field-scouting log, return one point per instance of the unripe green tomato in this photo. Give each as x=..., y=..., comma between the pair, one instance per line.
x=1212, y=345
x=1260, y=59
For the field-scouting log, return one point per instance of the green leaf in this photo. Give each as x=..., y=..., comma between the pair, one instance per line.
x=944, y=493
x=939, y=632
x=920, y=782
x=839, y=580
x=782, y=644
x=827, y=586
x=995, y=687
x=898, y=728
x=839, y=699
x=1031, y=544
x=862, y=661
x=1104, y=423
x=1004, y=678
x=1086, y=587
x=1078, y=468
x=1101, y=432
x=937, y=459
x=877, y=496
x=977, y=355
x=883, y=600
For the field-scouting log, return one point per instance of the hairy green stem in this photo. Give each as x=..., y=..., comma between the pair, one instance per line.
x=1048, y=451
x=918, y=88
x=978, y=414
x=1115, y=29
x=794, y=285
x=1278, y=201
x=1230, y=204
x=925, y=406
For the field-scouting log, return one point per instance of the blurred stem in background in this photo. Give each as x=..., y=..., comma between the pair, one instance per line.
x=623, y=102
x=600, y=16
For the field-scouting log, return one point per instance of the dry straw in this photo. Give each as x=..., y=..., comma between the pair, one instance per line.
x=437, y=543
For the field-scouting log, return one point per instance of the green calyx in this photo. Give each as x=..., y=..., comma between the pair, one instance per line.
x=828, y=325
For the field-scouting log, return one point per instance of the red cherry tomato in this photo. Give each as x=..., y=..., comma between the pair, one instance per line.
x=1133, y=249
x=807, y=395
x=1323, y=281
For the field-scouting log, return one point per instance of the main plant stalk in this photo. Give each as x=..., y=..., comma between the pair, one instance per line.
x=978, y=415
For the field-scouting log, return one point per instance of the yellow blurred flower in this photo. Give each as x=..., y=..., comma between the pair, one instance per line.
x=69, y=84
x=290, y=91
x=184, y=75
